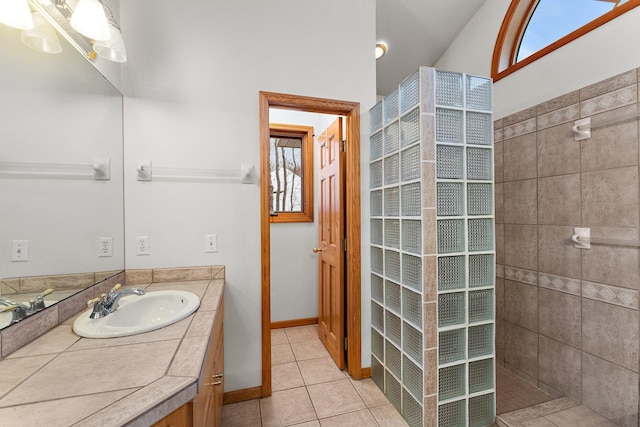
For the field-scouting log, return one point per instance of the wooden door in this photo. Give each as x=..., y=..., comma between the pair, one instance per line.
x=331, y=235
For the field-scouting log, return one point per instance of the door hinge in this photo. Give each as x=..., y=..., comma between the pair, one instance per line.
x=343, y=244
x=344, y=145
x=345, y=343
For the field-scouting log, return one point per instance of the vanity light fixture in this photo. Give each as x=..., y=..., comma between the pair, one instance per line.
x=112, y=49
x=88, y=18
x=16, y=13
x=42, y=37
x=73, y=27
x=381, y=49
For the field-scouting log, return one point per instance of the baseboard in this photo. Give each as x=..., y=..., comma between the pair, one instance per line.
x=365, y=372
x=241, y=395
x=293, y=323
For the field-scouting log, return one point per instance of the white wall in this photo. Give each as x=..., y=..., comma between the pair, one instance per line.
x=609, y=50
x=294, y=267
x=191, y=99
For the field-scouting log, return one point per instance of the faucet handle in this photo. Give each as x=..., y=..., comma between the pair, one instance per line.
x=93, y=301
x=11, y=307
x=46, y=292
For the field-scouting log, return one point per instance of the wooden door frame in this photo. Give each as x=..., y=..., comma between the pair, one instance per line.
x=352, y=214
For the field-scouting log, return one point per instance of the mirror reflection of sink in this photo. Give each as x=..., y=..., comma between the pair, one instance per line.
x=138, y=314
x=5, y=318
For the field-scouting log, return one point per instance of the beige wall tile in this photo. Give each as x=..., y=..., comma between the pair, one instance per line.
x=559, y=200
x=499, y=292
x=521, y=304
x=500, y=340
x=138, y=277
x=519, y=116
x=428, y=184
x=612, y=146
x=499, y=203
x=560, y=368
x=521, y=349
x=557, y=103
x=521, y=246
x=611, y=333
x=183, y=273
x=614, y=265
x=520, y=157
x=556, y=254
x=430, y=278
x=616, y=82
x=560, y=317
x=499, y=244
x=430, y=372
x=430, y=411
x=520, y=200
x=429, y=232
x=609, y=101
x=430, y=325
x=610, y=390
x=428, y=134
x=498, y=161
x=610, y=198
x=63, y=281
x=558, y=151
x=562, y=115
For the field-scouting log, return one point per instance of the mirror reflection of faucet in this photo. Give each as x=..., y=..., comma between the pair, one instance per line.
x=20, y=310
x=106, y=304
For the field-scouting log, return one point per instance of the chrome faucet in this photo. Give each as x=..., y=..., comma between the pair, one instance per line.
x=37, y=303
x=108, y=303
x=18, y=311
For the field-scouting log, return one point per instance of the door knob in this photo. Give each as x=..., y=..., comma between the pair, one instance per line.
x=316, y=250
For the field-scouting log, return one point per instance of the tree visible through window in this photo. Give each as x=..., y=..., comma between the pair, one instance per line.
x=291, y=173
x=286, y=173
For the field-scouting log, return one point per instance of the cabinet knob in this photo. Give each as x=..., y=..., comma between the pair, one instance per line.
x=218, y=375
x=216, y=383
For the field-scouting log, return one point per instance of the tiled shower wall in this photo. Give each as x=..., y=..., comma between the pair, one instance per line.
x=567, y=318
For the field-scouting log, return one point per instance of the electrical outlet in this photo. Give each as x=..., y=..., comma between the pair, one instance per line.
x=20, y=250
x=105, y=248
x=210, y=243
x=142, y=245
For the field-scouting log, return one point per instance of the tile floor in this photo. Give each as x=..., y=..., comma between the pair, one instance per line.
x=513, y=393
x=309, y=390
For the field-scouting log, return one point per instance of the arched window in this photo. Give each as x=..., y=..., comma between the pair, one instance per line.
x=533, y=28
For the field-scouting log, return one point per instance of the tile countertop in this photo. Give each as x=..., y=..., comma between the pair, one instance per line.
x=61, y=379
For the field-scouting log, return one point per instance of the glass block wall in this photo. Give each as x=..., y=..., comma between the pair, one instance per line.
x=432, y=249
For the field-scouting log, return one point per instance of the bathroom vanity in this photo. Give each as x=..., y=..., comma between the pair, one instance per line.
x=170, y=376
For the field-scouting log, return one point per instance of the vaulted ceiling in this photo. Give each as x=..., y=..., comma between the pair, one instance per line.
x=417, y=32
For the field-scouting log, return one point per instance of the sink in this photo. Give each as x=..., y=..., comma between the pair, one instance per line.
x=139, y=314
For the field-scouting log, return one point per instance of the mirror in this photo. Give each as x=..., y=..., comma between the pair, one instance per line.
x=60, y=228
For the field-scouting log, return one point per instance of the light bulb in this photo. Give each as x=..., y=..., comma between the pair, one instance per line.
x=112, y=49
x=90, y=20
x=16, y=13
x=381, y=49
x=42, y=37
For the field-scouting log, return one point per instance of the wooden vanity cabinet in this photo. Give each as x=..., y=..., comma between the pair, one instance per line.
x=206, y=408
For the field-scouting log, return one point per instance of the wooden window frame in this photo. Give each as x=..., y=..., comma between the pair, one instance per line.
x=514, y=25
x=306, y=133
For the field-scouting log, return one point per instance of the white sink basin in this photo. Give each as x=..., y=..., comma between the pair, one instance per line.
x=138, y=314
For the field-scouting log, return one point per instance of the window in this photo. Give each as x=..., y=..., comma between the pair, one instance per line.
x=534, y=28
x=291, y=173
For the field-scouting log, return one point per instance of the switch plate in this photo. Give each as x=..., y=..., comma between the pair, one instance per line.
x=142, y=245
x=210, y=243
x=105, y=246
x=20, y=250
